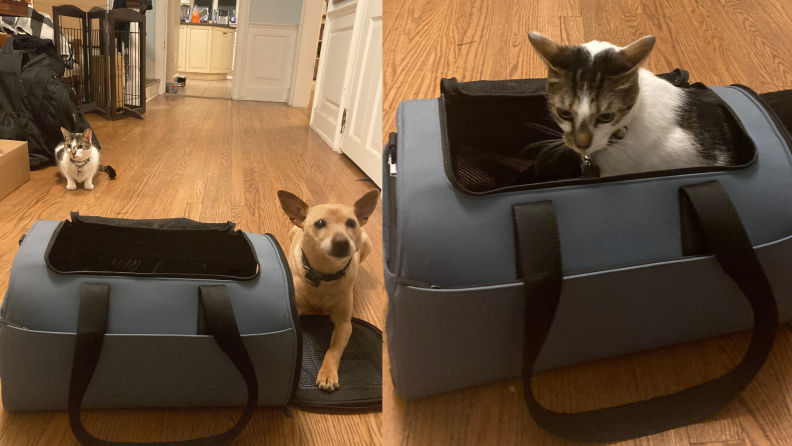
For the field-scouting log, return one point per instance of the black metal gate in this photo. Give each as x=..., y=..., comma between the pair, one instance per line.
x=108, y=75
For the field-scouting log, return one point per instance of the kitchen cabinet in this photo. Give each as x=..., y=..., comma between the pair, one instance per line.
x=206, y=49
x=228, y=51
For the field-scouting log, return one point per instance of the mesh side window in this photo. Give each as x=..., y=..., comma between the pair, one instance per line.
x=506, y=87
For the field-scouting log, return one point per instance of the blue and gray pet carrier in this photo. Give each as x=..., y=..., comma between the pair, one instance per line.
x=493, y=272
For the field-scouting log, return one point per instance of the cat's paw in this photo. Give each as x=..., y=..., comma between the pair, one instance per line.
x=89, y=187
x=327, y=380
x=71, y=186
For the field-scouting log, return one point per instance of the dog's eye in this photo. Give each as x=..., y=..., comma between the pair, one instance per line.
x=351, y=223
x=606, y=117
x=319, y=224
x=564, y=114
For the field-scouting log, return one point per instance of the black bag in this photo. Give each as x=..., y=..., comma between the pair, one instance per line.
x=51, y=103
x=15, y=122
x=34, y=103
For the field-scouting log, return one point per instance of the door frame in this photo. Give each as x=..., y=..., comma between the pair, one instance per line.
x=243, y=20
x=160, y=41
x=335, y=142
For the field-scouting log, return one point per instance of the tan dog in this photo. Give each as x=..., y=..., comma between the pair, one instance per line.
x=327, y=246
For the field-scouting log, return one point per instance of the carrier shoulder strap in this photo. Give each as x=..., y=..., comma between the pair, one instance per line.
x=538, y=255
x=91, y=329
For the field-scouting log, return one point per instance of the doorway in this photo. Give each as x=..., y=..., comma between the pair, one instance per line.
x=206, y=47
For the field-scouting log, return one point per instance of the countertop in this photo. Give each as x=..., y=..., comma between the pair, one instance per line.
x=208, y=24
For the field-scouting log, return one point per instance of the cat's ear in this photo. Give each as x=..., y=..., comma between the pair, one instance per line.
x=636, y=53
x=294, y=208
x=365, y=206
x=551, y=52
x=87, y=135
x=66, y=134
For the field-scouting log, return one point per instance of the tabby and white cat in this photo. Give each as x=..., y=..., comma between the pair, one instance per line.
x=78, y=159
x=623, y=118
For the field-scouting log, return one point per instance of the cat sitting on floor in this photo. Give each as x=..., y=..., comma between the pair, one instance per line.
x=622, y=118
x=78, y=159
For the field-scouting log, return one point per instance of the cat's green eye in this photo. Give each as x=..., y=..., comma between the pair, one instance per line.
x=606, y=117
x=564, y=114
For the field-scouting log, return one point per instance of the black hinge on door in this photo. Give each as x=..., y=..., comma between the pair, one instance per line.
x=343, y=121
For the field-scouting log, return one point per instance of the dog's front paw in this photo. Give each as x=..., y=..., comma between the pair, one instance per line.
x=327, y=380
x=71, y=186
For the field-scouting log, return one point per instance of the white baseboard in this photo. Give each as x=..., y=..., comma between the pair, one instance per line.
x=153, y=90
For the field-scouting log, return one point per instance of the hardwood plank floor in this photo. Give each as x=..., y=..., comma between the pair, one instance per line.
x=210, y=160
x=720, y=42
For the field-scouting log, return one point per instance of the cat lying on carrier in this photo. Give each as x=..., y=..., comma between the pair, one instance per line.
x=78, y=159
x=622, y=118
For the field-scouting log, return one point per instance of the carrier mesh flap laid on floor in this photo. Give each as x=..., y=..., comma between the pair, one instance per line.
x=359, y=374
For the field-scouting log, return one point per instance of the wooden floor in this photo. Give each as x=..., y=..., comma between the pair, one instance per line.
x=210, y=160
x=720, y=42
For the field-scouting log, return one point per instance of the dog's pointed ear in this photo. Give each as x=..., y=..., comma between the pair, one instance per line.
x=365, y=206
x=294, y=208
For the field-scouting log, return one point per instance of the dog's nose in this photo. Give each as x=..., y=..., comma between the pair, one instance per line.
x=340, y=247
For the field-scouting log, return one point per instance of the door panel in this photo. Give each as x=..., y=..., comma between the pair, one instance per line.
x=362, y=135
x=334, y=58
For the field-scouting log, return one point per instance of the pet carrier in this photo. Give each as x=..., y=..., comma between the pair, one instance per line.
x=147, y=313
x=494, y=272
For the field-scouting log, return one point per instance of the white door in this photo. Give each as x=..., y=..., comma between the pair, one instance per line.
x=361, y=137
x=332, y=75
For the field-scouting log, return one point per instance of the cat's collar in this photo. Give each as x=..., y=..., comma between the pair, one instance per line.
x=316, y=278
x=87, y=160
x=80, y=166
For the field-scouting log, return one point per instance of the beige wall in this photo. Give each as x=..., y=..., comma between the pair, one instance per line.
x=45, y=6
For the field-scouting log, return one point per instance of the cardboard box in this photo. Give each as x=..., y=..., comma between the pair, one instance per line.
x=14, y=166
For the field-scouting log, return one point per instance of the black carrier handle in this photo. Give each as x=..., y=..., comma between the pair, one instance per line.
x=538, y=256
x=91, y=329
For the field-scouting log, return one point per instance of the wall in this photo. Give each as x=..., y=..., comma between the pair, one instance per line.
x=276, y=12
x=45, y=6
x=151, y=33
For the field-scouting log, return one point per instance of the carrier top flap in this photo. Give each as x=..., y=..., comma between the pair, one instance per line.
x=145, y=266
x=359, y=373
x=468, y=239
x=522, y=87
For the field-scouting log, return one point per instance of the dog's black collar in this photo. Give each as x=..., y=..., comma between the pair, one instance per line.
x=316, y=278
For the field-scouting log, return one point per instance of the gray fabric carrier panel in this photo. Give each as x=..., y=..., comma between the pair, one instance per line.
x=152, y=355
x=455, y=308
